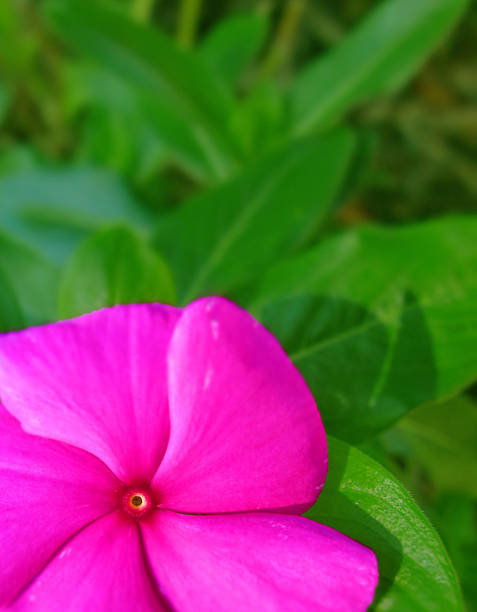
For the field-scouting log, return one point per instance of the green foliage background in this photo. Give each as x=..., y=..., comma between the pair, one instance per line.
x=313, y=160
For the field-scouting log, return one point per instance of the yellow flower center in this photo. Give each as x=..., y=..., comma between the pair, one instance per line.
x=138, y=500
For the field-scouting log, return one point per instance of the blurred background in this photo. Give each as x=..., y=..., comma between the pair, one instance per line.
x=419, y=146
x=85, y=142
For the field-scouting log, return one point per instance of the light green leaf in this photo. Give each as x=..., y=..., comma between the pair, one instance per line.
x=443, y=439
x=28, y=280
x=364, y=501
x=180, y=81
x=113, y=266
x=382, y=53
x=233, y=44
x=225, y=236
x=379, y=320
x=52, y=209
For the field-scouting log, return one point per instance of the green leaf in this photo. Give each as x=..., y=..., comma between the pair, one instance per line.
x=52, y=209
x=224, y=236
x=11, y=316
x=379, y=320
x=384, y=51
x=231, y=45
x=129, y=129
x=115, y=129
x=180, y=82
x=364, y=501
x=18, y=158
x=113, y=266
x=4, y=100
x=442, y=439
x=261, y=119
x=29, y=283
x=454, y=516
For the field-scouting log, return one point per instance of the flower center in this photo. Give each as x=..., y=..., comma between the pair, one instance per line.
x=136, y=502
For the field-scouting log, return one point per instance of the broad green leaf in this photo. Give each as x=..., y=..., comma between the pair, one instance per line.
x=129, y=129
x=231, y=45
x=224, y=236
x=179, y=80
x=27, y=280
x=364, y=501
x=383, y=52
x=52, y=209
x=443, y=439
x=379, y=320
x=115, y=130
x=11, y=316
x=113, y=266
x=261, y=118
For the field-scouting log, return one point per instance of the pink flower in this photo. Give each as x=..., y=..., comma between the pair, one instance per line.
x=153, y=458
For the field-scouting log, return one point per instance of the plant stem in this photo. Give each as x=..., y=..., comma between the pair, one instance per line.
x=142, y=10
x=282, y=45
x=189, y=13
x=324, y=26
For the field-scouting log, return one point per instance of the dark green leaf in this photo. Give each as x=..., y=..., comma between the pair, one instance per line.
x=180, y=82
x=380, y=55
x=113, y=266
x=454, y=516
x=234, y=43
x=225, y=236
x=52, y=209
x=379, y=320
x=364, y=501
x=443, y=439
x=4, y=100
x=11, y=316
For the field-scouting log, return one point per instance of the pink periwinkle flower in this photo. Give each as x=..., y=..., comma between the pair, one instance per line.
x=153, y=458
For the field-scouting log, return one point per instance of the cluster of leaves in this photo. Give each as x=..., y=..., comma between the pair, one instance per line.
x=165, y=174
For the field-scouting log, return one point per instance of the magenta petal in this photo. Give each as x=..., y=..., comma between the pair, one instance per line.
x=98, y=382
x=49, y=490
x=245, y=430
x=258, y=561
x=101, y=569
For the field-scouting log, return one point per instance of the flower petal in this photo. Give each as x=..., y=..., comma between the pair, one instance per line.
x=245, y=430
x=257, y=561
x=102, y=568
x=49, y=490
x=97, y=381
